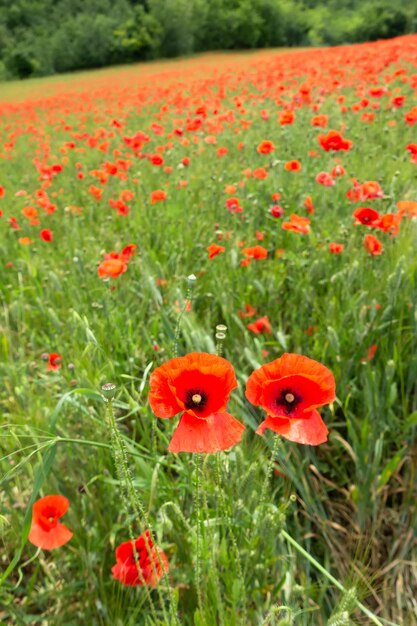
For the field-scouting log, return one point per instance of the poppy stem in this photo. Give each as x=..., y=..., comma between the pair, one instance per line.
x=187, y=303
x=374, y=619
x=197, y=502
x=213, y=543
x=130, y=495
x=269, y=470
x=229, y=525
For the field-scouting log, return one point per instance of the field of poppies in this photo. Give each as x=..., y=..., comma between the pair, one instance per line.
x=227, y=243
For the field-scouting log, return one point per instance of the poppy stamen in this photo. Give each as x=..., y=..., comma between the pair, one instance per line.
x=289, y=400
x=196, y=399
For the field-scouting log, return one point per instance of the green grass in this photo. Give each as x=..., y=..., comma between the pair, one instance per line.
x=350, y=503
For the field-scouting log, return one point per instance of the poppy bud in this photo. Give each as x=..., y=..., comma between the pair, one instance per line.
x=108, y=391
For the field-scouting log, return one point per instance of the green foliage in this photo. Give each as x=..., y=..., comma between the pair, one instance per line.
x=40, y=37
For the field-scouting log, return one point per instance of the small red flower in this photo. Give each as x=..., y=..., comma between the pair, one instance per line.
x=111, y=268
x=286, y=117
x=256, y=252
x=248, y=312
x=158, y=196
x=145, y=568
x=297, y=224
x=199, y=386
x=336, y=248
x=276, y=211
x=373, y=245
x=214, y=249
x=290, y=389
x=54, y=361
x=308, y=203
x=324, y=178
x=371, y=352
x=366, y=216
x=46, y=532
x=292, y=166
x=46, y=235
x=266, y=147
x=334, y=141
x=261, y=325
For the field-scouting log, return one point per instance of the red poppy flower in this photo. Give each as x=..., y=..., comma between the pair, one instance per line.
x=336, y=248
x=308, y=203
x=111, y=268
x=286, y=117
x=292, y=166
x=366, y=216
x=128, y=251
x=411, y=116
x=151, y=561
x=248, y=312
x=319, y=120
x=370, y=189
x=290, y=389
x=199, y=384
x=390, y=221
x=371, y=352
x=46, y=235
x=25, y=241
x=54, y=361
x=373, y=245
x=260, y=173
x=334, y=141
x=261, y=325
x=46, y=532
x=297, y=224
x=265, y=147
x=324, y=178
x=214, y=249
x=407, y=207
x=276, y=211
x=158, y=196
x=256, y=252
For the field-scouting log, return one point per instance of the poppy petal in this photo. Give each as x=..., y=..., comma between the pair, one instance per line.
x=219, y=431
x=163, y=402
x=309, y=430
x=170, y=382
x=290, y=365
x=58, y=503
x=48, y=540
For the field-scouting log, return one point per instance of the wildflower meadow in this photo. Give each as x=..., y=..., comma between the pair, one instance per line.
x=208, y=350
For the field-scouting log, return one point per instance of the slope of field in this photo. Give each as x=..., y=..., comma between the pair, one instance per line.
x=287, y=184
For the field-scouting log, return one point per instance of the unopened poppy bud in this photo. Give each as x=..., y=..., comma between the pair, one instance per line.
x=108, y=391
x=220, y=336
x=191, y=280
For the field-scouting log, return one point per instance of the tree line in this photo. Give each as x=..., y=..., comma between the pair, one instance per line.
x=41, y=37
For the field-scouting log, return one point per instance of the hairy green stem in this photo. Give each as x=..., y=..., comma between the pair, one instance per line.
x=197, y=462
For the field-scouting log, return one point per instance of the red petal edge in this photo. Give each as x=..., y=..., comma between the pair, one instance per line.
x=219, y=431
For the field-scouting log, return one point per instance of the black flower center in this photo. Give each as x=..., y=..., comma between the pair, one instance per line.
x=288, y=400
x=196, y=399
